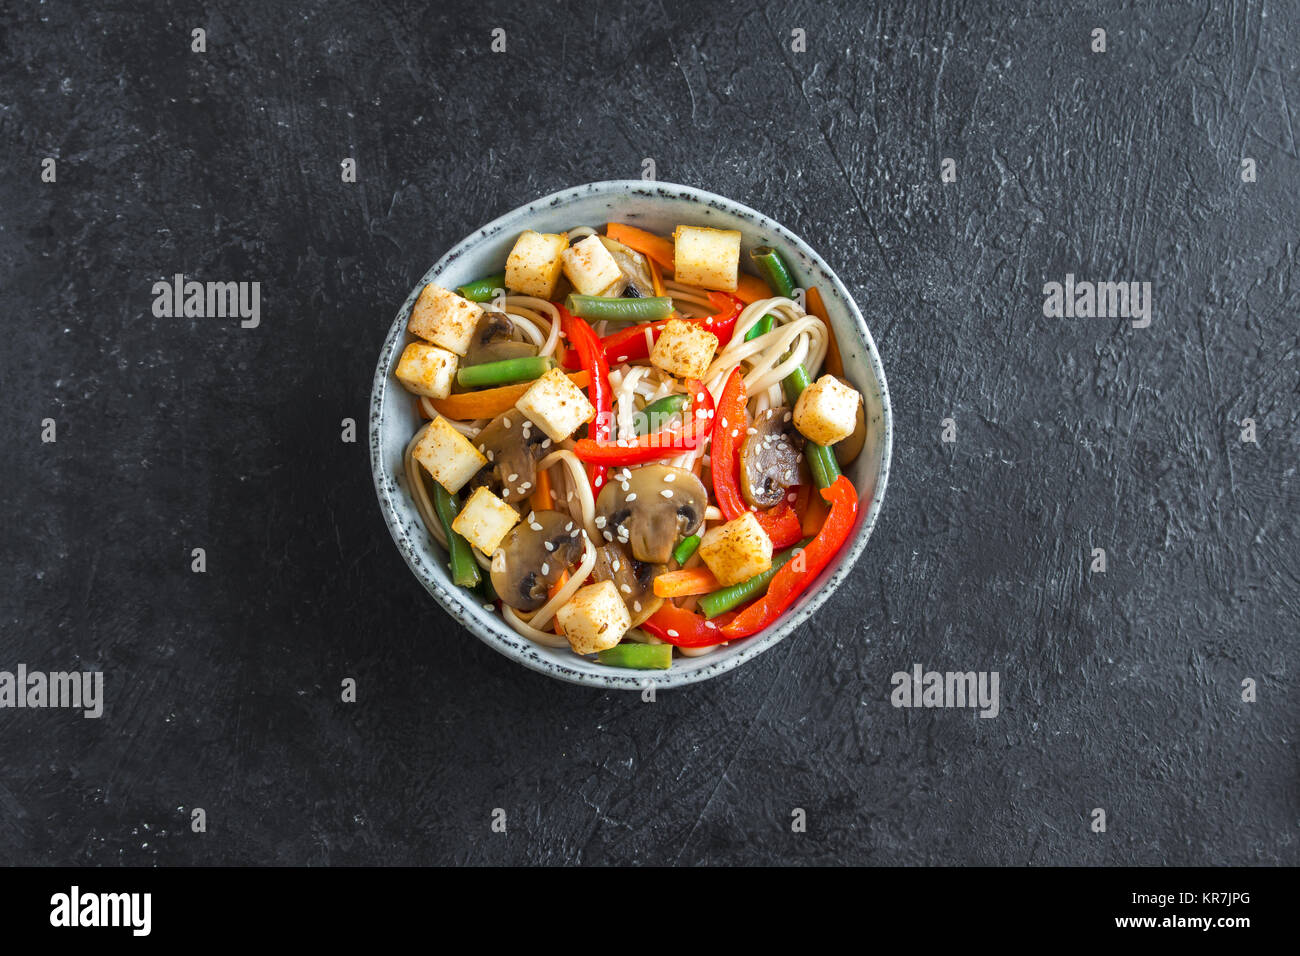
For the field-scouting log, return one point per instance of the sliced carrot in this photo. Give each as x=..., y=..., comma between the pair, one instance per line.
x=647, y=243
x=815, y=516
x=656, y=276
x=490, y=402
x=550, y=594
x=834, y=362
x=540, y=499
x=673, y=584
x=751, y=288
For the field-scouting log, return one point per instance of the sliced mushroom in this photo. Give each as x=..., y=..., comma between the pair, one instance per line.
x=634, y=579
x=650, y=509
x=533, y=557
x=636, y=281
x=495, y=339
x=513, y=446
x=769, y=459
x=847, y=449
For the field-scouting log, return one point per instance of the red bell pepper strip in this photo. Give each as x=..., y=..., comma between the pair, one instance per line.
x=688, y=629
x=630, y=344
x=665, y=443
x=792, y=581
x=729, y=428
x=724, y=453
x=587, y=347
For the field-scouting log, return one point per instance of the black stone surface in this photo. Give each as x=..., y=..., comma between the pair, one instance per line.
x=1120, y=690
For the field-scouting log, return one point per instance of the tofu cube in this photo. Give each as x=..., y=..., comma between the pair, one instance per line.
x=427, y=370
x=535, y=262
x=708, y=258
x=444, y=318
x=827, y=411
x=595, y=618
x=485, y=520
x=448, y=456
x=684, y=349
x=556, y=405
x=590, y=266
x=737, y=550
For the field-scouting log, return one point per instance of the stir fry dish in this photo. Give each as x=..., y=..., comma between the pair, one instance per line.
x=633, y=447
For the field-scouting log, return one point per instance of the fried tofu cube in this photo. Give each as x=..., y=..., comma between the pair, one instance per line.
x=448, y=456
x=737, y=550
x=827, y=411
x=595, y=618
x=427, y=370
x=708, y=258
x=444, y=318
x=485, y=520
x=535, y=262
x=590, y=266
x=684, y=349
x=556, y=405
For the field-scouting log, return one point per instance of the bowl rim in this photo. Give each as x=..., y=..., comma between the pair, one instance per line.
x=501, y=638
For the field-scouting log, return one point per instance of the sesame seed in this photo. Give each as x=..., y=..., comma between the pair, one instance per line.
x=621, y=358
x=600, y=521
x=636, y=606
x=672, y=633
x=525, y=486
x=546, y=568
x=505, y=423
x=735, y=432
x=626, y=589
x=535, y=526
x=608, y=536
x=546, y=443
x=670, y=478
x=568, y=526
x=491, y=456
x=787, y=417
x=710, y=624
x=489, y=607
x=615, y=564
x=632, y=496
x=667, y=492
x=724, y=423
x=513, y=476
x=548, y=546
x=751, y=431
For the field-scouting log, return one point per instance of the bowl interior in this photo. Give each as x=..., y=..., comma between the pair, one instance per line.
x=658, y=207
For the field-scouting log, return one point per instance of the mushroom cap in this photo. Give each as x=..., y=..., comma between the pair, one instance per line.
x=650, y=509
x=634, y=579
x=769, y=459
x=533, y=557
x=513, y=446
x=495, y=339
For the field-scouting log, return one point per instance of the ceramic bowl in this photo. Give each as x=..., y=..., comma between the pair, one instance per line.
x=658, y=207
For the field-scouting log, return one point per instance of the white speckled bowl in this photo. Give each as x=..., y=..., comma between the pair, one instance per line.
x=659, y=207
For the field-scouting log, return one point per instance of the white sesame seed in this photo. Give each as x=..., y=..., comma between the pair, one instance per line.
x=626, y=589
x=546, y=568
x=513, y=476
x=710, y=624
x=672, y=633
x=636, y=606
x=608, y=536
x=525, y=486
x=735, y=432
x=548, y=546
x=568, y=526
x=787, y=417
x=489, y=607
x=600, y=521
x=667, y=492
x=535, y=526
x=724, y=423
x=751, y=431
x=632, y=496
x=621, y=358
x=546, y=443
x=670, y=478
x=615, y=564
x=505, y=423
x=491, y=456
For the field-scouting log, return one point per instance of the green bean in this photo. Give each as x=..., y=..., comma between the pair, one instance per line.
x=504, y=372
x=773, y=268
x=761, y=327
x=463, y=567
x=685, y=548
x=619, y=310
x=656, y=413
x=725, y=599
x=483, y=290
x=642, y=657
x=821, y=459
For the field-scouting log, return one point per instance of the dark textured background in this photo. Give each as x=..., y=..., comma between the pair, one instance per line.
x=1119, y=690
